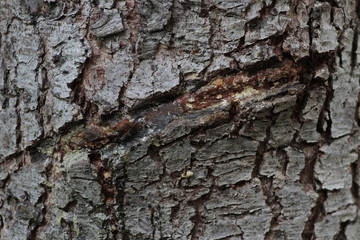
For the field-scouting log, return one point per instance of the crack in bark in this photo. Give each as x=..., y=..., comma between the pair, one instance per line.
x=18, y=122
x=198, y=220
x=273, y=202
x=354, y=49
x=120, y=182
x=108, y=190
x=316, y=212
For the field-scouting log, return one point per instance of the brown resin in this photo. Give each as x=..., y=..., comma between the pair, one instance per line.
x=220, y=90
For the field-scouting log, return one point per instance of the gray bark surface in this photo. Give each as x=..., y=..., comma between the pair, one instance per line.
x=179, y=119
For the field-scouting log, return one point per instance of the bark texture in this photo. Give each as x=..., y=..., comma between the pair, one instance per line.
x=179, y=119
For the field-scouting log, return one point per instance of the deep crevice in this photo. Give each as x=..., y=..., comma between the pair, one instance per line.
x=274, y=204
x=355, y=187
x=316, y=213
x=108, y=189
x=307, y=173
x=341, y=234
x=354, y=50
x=120, y=180
x=198, y=218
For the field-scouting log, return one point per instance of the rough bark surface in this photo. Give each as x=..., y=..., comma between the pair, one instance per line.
x=179, y=119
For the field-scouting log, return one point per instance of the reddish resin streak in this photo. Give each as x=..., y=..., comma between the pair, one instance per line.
x=97, y=136
x=217, y=91
x=226, y=88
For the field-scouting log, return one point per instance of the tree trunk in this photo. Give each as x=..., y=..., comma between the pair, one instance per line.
x=179, y=119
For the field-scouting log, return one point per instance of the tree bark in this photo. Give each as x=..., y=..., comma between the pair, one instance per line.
x=179, y=119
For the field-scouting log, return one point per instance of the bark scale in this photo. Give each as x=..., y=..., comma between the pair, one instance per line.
x=179, y=119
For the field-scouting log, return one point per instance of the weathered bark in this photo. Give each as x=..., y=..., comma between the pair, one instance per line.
x=179, y=119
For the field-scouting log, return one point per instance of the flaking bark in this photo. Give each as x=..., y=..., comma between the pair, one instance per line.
x=179, y=119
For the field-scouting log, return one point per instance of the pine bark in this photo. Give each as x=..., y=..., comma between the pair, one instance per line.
x=179, y=119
